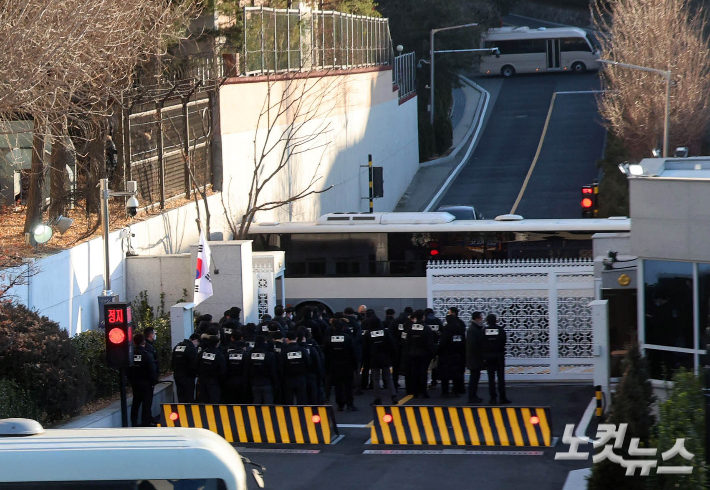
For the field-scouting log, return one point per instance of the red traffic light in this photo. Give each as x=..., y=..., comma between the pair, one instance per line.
x=116, y=336
x=387, y=418
x=587, y=190
x=534, y=420
x=587, y=203
x=434, y=251
x=316, y=419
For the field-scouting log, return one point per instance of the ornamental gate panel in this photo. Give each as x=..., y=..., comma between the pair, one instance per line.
x=543, y=305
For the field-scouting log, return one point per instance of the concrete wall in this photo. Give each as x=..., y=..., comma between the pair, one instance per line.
x=671, y=218
x=169, y=274
x=358, y=114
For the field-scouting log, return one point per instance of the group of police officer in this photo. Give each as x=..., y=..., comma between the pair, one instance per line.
x=283, y=360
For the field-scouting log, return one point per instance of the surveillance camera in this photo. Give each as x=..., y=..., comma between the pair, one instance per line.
x=132, y=206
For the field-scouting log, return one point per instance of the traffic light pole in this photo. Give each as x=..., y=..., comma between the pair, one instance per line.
x=124, y=402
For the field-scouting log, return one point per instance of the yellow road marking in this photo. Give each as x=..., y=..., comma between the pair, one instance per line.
x=537, y=155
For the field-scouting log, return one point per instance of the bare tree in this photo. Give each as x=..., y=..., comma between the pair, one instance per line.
x=293, y=122
x=661, y=34
x=15, y=272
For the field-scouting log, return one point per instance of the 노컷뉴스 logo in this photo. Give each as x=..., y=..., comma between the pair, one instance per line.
x=607, y=432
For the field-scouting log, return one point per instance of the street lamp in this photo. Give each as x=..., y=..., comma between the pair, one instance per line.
x=667, y=75
x=431, y=57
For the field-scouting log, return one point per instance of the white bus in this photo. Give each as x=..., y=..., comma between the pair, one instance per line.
x=32, y=458
x=525, y=50
x=380, y=259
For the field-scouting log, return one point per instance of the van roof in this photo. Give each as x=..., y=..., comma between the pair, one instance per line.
x=120, y=454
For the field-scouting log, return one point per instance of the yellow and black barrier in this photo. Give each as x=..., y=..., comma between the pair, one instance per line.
x=599, y=412
x=462, y=426
x=268, y=424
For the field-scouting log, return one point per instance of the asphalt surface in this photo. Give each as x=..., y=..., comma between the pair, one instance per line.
x=495, y=172
x=344, y=466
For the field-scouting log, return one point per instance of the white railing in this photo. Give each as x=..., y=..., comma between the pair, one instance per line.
x=405, y=74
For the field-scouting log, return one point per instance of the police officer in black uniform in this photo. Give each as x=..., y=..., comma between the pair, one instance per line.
x=341, y=363
x=184, y=364
x=295, y=362
x=151, y=337
x=143, y=377
x=399, y=334
x=435, y=324
x=261, y=369
x=315, y=368
x=379, y=351
x=211, y=368
x=452, y=354
x=493, y=347
x=236, y=386
x=420, y=351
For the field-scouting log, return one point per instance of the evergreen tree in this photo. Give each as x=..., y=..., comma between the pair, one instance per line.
x=631, y=405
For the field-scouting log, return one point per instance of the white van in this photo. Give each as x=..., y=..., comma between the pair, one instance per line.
x=525, y=50
x=32, y=458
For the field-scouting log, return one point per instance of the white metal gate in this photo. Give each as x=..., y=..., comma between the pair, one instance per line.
x=543, y=305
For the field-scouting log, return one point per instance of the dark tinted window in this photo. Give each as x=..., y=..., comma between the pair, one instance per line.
x=523, y=46
x=568, y=44
x=406, y=254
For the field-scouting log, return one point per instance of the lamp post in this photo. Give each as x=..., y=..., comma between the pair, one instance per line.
x=431, y=80
x=131, y=208
x=667, y=75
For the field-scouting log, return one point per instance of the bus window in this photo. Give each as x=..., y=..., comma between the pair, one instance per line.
x=199, y=484
x=569, y=44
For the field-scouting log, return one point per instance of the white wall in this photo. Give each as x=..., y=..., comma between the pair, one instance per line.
x=361, y=116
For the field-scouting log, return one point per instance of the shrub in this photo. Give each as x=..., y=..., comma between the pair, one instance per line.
x=91, y=346
x=39, y=356
x=162, y=344
x=16, y=402
x=631, y=405
x=682, y=416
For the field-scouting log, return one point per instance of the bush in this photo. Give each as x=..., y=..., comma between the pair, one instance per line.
x=92, y=351
x=16, y=402
x=631, y=405
x=682, y=416
x=163, y=345
x=38, y=355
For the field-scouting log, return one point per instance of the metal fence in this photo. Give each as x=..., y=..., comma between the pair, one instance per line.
x=405, y=74
x=160, y=135
x=281, y=40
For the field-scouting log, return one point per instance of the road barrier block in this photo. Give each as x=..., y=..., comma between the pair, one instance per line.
x=265, y=424
x=462, y=426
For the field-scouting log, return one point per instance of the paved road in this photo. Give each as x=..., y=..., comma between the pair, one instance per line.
x=495, y=172
x=345, y=467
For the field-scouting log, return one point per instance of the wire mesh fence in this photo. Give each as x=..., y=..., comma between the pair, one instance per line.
x=281, y=40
